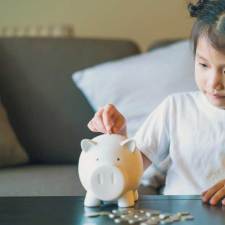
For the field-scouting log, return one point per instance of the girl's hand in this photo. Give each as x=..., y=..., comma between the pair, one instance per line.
x=214, y=194
x=108, y=120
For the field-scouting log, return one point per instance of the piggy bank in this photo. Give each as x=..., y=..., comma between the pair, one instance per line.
x=110, y=168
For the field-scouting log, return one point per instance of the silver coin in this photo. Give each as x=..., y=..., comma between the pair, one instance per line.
x=179, y=214
x=141, y=211
x=117, y=220
x=164, y=216
x=132, y=221
x=143, y=218
x=143, y=223
x=152, y=213
x=115, y=211
x=168, y=220
x=175, y=217
x=123, y=216
x=111, y=215
x=188, y=217
x=95, y=214
x=152, y=222
x=119, y=212
x=155, y=219
x=127, y=217
x=184, y=213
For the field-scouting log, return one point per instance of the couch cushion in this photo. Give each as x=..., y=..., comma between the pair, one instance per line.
x=137, y=84
x=40, y=180
x=48, y=113
x=11, y=152
x=45, y=180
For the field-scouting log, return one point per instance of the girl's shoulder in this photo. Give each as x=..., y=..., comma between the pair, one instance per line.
x=180, y=102
x=182, y=99
x=186, y=95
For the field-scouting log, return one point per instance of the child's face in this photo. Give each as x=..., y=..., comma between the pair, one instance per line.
x=210, y=72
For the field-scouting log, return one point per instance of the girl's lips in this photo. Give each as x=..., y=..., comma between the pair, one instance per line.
x=217, y=96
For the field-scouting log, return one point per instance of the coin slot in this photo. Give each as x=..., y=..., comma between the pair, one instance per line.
x=112, y=177
x=100, y=179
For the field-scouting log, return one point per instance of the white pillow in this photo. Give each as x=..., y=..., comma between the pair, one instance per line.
x=137, y=84
x=11, y=152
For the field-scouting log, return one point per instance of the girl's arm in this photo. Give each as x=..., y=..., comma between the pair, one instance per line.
x=146, y=161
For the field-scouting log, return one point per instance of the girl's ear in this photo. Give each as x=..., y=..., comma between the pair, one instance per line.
x=87, y=144
x=130, y=144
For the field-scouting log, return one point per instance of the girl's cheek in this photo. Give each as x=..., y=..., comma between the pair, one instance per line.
x=223, y=80
x=200, y=79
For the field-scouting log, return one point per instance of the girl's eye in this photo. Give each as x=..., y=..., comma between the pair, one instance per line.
x=118, y=159
x=203, y=65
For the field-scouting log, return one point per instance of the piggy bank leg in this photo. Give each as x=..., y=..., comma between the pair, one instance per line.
x=127, y=200
x=135, y=195
x=91, y=201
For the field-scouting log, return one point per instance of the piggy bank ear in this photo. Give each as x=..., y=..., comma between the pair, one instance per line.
x=86, y=144
x=130, y=144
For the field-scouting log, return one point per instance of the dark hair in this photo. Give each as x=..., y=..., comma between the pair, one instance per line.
x=210, y=23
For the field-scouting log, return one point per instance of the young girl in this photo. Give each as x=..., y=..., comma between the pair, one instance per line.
x=189, y=127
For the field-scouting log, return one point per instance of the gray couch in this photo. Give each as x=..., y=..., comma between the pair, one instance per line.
x=48, y=113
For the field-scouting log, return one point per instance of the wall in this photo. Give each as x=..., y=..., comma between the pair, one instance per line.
x=140, y=20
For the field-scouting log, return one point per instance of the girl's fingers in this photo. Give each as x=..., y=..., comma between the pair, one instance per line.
x=218, y=196
x=98, y=121
x=203, y=193
x=92, y=127
x=212, y=191
x=119, y=125
x=96, y=124
x=107, y=120
x=223, y=201
x=108, y=117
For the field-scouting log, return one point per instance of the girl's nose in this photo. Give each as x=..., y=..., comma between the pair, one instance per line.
x=215, y=82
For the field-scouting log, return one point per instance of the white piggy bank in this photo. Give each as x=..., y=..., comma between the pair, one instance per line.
x=110, y=168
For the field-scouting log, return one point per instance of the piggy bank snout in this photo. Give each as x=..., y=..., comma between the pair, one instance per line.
x=107, y=182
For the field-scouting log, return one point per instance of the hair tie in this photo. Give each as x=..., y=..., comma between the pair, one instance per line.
x=195, y=9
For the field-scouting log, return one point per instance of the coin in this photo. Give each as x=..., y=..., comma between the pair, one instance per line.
x=111, y=215
x=117, y=220
x=95, y=214
x=145, y=216
x=164, y=216
x=188, y=217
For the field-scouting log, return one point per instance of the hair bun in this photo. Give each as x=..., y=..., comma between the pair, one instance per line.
x=195, y=9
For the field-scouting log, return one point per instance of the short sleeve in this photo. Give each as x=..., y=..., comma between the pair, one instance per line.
x=152, y=138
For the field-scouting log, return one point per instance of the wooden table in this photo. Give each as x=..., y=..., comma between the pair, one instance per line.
x=69, y=210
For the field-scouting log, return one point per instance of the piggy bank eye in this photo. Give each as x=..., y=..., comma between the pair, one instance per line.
x=97, y=159
x=118, y=159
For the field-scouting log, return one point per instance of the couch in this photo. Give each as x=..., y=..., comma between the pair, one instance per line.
x=47, y=112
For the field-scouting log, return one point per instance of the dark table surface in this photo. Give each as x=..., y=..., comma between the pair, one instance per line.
x=66, y=210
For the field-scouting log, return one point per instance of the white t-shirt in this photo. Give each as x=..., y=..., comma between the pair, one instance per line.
x=189, y=130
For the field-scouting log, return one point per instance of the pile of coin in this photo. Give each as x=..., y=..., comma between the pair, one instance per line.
x=142, y=216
